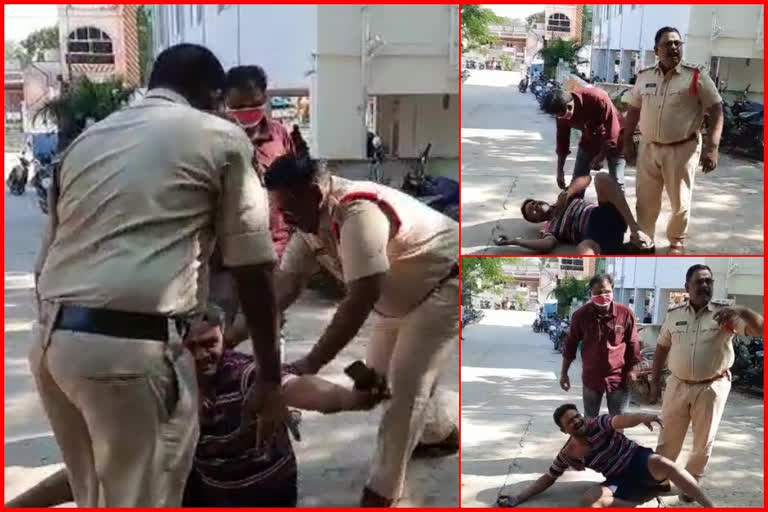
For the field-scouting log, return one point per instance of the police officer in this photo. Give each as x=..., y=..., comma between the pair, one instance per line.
x=669, y=100
x=399, y=260
x=695, y=342
x=144, y=193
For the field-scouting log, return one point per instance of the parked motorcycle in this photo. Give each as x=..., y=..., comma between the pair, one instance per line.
x=440, y=193
x=19, y=175
x=747, y=369
x=523, y=85
x=464, y=75
x=743, y=127
x=42, y=181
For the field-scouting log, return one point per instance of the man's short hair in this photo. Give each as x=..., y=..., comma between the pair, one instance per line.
x=556, y=103
x=289, y=171
x=557, y=416
x=214, y=316
x=599, y=278
x=187, y=69
x=694, y=269
x=661, y=32
x=522, y=208
x=246, y=77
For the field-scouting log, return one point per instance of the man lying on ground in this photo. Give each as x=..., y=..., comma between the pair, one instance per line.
x=595, y=228
x=229, y=469
x=598, y=444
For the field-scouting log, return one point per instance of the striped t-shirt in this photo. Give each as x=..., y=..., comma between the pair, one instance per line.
x=228, y=463
x=570, y=226
x=609, y=450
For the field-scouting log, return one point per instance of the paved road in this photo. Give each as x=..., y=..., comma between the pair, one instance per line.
x=333, y=457
x=510, y=387
x=507, y=143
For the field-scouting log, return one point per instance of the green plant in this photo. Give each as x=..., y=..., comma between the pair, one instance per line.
x=82, y=101
x=144, y=25
x=557, y=50
x=567, y=289
x=475, y=20
x=487, y=270
x=507, y=61
x=519, y=302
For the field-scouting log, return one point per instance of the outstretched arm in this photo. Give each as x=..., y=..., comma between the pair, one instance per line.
x=51, y=492
x=540, y=245
x=314, y=393
x=622, y=421
x=541, y=484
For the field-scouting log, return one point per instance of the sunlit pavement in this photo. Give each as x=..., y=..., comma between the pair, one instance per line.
x=508, y=155
x=333, y=455
x=510, y=388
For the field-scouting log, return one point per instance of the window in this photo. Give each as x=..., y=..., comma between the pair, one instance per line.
x=571, y=264
x=89, y=45
x=558, y=23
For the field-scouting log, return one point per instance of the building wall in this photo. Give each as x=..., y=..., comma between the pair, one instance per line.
x=322, y=49
x=421, y=119
x=107, y=18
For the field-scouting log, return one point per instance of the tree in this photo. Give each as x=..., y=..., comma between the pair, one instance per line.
x=475, y=20
x=14, y=51
x=586, y=26
x=144, y=25
x=556, y=50
x=488, y=270
x=537, y=17
x=507, y=61
x=570, y=288
x=83, y=102
x=40, y=40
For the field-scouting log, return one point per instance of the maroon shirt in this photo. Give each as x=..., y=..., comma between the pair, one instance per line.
x=598, y=120
x=270, y=141
x=610, y=346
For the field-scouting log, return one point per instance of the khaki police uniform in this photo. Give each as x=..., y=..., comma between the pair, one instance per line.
x=367, y=229
x=700, y=355
x=144, y=194
x=672, y=110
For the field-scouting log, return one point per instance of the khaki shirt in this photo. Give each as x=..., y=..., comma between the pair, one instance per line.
x=671, y=108
x=699, y=348
x=415, y=257
x=144, y=195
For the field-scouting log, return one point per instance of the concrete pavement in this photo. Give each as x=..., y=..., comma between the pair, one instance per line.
x=508, y=155
x=333, y=456
x=510, y=388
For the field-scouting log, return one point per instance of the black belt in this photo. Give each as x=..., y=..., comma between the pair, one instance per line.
x=117, y=324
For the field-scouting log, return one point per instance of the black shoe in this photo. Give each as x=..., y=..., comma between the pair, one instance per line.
x=372, y=499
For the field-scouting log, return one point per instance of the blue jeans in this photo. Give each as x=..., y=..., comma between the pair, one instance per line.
x=618, y=401
x=616, y=165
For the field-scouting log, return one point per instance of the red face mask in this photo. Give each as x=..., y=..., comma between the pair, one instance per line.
x=602, y=300
x=247, y=117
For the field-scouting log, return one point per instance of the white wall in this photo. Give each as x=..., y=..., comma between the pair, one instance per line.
x=418, y=57
x=421, y=120
x=632, y=272
x=238, y=35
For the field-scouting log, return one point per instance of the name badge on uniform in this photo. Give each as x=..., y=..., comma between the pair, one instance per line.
x=650, y=86
x=682, y=322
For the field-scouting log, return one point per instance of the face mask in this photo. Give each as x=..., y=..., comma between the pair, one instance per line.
x=247, y=117
x=603, y=300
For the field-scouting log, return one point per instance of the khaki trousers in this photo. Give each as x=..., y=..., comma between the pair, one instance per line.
x=700, y=405
x=412, y=351
x=124, y=414
x=671, y=167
